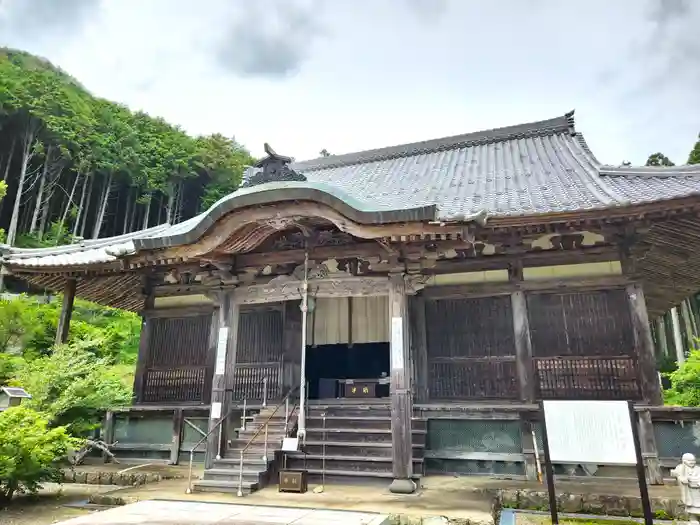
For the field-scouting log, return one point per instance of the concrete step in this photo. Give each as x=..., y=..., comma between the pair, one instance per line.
x=249, y=462
x=224, y=486
x=257, y=444
x=250, y=476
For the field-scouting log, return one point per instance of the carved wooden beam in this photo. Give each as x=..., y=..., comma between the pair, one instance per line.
x=290, y=289
x=222, y=230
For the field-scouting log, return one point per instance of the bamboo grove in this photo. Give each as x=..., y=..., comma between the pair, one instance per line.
x=77, y=165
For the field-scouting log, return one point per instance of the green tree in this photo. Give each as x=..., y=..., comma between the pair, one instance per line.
x=694, y=157
x=659, y=159
x=17, y=324
x=3, y=192
x=73, y=387
x=685, y=383
x=30, y=452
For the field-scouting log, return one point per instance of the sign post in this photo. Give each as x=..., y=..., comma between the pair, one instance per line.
x=597, y=432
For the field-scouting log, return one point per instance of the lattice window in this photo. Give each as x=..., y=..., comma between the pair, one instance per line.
x=580, y=324
x=471, y=349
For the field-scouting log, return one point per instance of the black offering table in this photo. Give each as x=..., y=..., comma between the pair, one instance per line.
x=361, y=388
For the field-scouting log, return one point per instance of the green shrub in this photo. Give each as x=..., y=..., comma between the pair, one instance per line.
x=685, y=383
x=73, y=387
x=30, y=452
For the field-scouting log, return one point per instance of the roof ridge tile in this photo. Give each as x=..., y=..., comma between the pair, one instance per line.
x=477, y=138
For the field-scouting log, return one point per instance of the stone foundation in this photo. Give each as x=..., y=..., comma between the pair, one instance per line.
x=624, y=506
x=126, y=479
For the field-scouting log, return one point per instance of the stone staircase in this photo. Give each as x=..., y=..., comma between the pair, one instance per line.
x=357, y=442
x=258, y=470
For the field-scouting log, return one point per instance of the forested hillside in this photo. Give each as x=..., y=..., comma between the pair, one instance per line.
x=79, y=165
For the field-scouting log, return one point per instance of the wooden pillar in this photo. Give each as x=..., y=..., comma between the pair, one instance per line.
x=401, y=402
x=176, y=443
x=649, y=452
x=523, y=348
x=107, y=432
x=66, y=311
x=677, y=339
x=644, y=346
x=419, y=347
x=223, y=347
x=661, y=335
x=144, y=344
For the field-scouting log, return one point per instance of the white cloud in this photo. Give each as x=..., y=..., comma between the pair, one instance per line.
x=352, y=74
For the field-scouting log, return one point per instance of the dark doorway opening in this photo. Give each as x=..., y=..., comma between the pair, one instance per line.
x=327, y=365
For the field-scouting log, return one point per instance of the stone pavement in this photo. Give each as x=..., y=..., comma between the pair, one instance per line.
x=160, y=512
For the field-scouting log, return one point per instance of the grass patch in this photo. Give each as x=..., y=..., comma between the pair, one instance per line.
x=535, y=519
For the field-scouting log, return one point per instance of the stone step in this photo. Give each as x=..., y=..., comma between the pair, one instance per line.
x=249, y=462
x=272, y=443
x=249, y=476
x=229, y=487
x=378, y=450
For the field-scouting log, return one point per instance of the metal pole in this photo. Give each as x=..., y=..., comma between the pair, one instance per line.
x=265, y=453
x=286, y=415
x=301, y=433
x=264, y=392
x=240, y=476
x=243, y=416
x=218, y=452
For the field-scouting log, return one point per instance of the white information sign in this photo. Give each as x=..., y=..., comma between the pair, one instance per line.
x=220, y=368
x=215, y=410
x=396, y=343
x=598, y=432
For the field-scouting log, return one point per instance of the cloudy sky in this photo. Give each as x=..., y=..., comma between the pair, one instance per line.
x=347, y=75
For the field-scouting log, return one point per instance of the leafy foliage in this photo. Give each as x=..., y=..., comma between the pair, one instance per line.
x=17, y=325
x=72, y=387
x=694, y=157
x=29, y=451
x=112, y=162
x=685, y=382
x=71, y=384
x=659, y=159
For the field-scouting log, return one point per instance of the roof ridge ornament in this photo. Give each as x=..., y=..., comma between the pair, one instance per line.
x=272, y=168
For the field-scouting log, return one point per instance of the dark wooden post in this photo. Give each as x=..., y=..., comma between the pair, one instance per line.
x=419, y=347
x=401, y=402
x=144, y=344
x=649, y=451
x=523, y=347
x=528, y=448
x=178, y=421
x=66, y=311
x=644, y=346
x=108, y=432
x=222, y=347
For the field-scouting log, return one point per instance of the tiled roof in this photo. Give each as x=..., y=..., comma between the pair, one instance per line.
x=93, y=251
x=529, y=169
x=542, y=167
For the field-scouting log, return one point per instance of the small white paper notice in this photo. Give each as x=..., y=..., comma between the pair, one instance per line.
x=221, y=344
x=397, y=343
x=215, y=410
x=598, y=432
